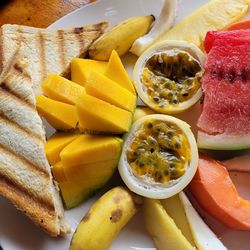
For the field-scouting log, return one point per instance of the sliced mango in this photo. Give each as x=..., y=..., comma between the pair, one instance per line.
x=83, y=181
x=117, y=73
x=56, y=143
x=73, y=194
x=141, y=112
x=91, y=148
x=58, y=172
x=99, y=86
x=61, y=89
x=81, y=68
x=97, y=115
x=86, y=172
x=60, y=115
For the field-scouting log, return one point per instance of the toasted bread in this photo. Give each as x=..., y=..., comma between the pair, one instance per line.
x=25, y=175
x=48, y=51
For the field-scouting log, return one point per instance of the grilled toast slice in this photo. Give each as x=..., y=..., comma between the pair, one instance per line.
x=25, y=175
x=48, y=51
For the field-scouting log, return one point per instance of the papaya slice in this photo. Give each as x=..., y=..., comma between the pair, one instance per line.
x=216, y=194
x=241, y=25
x=61, y=89
x=239, y=163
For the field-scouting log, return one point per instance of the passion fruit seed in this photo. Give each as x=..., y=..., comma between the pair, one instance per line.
x=162, y=155
x=171, y=77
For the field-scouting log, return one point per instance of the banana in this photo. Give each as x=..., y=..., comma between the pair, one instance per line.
x=120, y=38
x=162, y=24
x=105, y=219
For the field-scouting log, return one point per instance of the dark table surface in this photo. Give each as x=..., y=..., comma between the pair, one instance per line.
x=37, y=13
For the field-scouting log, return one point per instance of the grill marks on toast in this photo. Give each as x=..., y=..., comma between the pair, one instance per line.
x=80, y=38
x=22, y=160
x=13, y=103
x=21, y=143
x=7, y=91
x=18, y=83
x=33, y=182
x=42, y=214
x=22, y=190
x=42, y=55
x=25, y=176
x=61, y=48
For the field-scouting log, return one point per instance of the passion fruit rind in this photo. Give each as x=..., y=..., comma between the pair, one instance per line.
x=167, y=76
x=184, y=154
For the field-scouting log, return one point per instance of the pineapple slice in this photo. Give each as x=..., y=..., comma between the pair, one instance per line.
x=216, y=15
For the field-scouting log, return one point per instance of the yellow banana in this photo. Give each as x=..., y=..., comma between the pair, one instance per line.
x=120, y=38
x=105, y=219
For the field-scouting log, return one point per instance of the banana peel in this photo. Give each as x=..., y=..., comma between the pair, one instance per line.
x=162, y=24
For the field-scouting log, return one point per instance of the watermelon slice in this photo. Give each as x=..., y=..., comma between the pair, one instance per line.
x=224, y=123
x=221, y=38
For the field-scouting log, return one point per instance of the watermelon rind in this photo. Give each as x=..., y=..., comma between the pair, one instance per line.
x=222, y=141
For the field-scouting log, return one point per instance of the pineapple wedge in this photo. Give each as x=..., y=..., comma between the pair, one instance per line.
x=215, y=15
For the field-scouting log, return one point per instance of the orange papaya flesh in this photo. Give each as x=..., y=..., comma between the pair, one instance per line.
x=215, y=192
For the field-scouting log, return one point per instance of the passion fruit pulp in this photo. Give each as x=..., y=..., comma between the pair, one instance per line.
x=156, y=160
x=159, y=150
x=167, y=76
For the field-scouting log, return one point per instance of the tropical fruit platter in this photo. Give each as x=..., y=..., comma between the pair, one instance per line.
x=140, y=125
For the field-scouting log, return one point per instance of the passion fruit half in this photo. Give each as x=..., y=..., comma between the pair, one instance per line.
x=159, y=156
x=167, y=76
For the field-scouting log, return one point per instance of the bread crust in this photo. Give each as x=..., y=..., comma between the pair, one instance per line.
x=41, y=214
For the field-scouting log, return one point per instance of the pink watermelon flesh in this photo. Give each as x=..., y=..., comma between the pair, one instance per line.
x=225, y=114
x=222, y=38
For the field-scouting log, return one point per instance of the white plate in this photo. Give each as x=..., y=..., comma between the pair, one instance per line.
x=18, y=233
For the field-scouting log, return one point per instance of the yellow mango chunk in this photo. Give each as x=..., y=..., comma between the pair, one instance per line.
x=58, y=172
x=91, y=148
x=117, y=73
x=97, y=115
x=73, y=194
x=61, y=89
x=87, y=172
x=81, y=68
x=85, y=181
x=60, y=115
x=99, y=86
x=141, y=112
x=55, y=145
